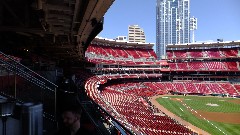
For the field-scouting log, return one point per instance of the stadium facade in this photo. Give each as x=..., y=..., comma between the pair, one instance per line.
x=172, y=24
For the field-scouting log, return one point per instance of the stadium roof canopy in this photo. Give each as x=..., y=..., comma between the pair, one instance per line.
x=60, y=29
x=124, y=44
x=226, y=44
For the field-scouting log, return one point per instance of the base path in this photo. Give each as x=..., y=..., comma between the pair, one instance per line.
x=180, y=120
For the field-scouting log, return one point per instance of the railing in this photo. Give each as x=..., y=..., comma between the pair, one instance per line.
x=38, y=90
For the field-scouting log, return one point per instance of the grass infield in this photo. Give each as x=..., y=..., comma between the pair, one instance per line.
x=185, y=107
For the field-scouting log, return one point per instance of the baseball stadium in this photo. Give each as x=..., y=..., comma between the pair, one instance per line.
x=195, y=90
x=51, y=58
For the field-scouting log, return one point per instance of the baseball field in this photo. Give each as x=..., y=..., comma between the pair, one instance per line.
x=215, y=115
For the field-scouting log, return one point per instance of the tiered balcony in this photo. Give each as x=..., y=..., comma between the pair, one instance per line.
x=182, y=66
x=144, y=53
x=170, y=54
x=213, y=53
x=194, y=87
x=169, y=86
x=190, y=87
x=180, y=54
x=180, y=87
x=173, y=66
x=196, y=66
x=116, y=55
x=237, y=88
x=216, y=88
x=214, y=66
x=229, y=88
x=125, y=103
x=202, y=88
x=229, y=52
x=152, y=53
x=132, y=52
x=137, y=112
x=231, y=65
x=195, y=53
x=204, y=53
x=204, y=66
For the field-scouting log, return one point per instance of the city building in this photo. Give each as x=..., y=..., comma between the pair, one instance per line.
x=172, y=24
x=136, y=34
x=122, y=38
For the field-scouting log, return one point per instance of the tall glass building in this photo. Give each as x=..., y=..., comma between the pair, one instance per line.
x=173, y=24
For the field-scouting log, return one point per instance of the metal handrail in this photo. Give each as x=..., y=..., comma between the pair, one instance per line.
x=16, y=62
x=19, y=69
x=23, y=74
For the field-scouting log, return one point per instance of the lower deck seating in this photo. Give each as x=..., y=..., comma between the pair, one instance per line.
x=126, y=101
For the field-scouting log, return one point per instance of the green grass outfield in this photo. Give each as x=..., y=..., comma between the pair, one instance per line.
x=199, y=103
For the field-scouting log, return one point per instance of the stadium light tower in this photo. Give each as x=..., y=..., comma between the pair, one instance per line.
x=193, y=27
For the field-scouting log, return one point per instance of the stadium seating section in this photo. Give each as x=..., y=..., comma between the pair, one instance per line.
x=128, y=102
x=204, y=53
x=125, y=100
x=205, y=59
x=125, y=103
x=117, y=55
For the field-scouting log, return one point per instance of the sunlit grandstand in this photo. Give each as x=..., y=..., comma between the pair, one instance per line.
x=127, y=75
x=51, y=59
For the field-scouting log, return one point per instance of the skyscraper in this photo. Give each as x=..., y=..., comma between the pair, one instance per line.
x=172, y=24
x=136, y=34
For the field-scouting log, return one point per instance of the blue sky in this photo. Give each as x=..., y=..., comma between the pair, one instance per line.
x=216, y=19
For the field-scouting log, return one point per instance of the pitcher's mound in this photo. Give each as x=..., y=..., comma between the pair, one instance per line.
x=210, y=104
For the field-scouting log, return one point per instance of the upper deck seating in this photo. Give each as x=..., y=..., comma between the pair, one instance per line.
x=170, y=54
x=204, y=66
x=117, y=55
x=231, y=65
x=196, y=66
x=229, y=52
x=213, y=53
x=215, y=65
x=196, y=53
x=180, y=54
